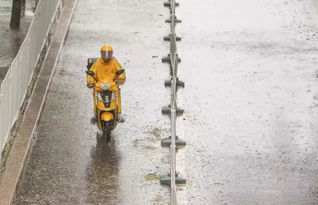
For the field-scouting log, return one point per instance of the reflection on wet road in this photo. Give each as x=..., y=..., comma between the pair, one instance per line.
x=102, y=173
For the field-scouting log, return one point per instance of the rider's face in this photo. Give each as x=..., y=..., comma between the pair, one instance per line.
x=106, y=55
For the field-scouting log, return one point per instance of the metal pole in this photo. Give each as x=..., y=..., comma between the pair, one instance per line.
x=173, y=51
x=173, y=110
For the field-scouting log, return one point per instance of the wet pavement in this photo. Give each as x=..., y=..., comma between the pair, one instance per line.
x=250, y=69
x=250, y=105
x=69, y=164
x=11, y=40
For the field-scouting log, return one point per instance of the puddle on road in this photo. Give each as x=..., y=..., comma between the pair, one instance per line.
x=152, y=176
x=156, y=132
x=154, y=137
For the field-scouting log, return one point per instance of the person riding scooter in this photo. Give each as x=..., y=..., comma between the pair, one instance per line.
x=106, y=67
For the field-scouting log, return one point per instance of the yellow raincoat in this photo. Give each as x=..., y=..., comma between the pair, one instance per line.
x=107, y=70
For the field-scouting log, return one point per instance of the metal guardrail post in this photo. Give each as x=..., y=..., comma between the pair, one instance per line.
x=172, y=179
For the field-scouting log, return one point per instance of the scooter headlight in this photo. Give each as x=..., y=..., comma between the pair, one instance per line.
x=105, y=86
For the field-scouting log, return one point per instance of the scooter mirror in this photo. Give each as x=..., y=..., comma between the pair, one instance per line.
x=91, y=73
x=120, y=71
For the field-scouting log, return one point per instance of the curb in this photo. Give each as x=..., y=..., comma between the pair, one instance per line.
x=23, y=142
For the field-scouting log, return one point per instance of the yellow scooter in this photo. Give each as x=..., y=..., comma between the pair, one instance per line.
x=106, y=105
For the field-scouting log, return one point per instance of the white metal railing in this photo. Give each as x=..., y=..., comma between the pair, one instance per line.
x=173, y=104
x=174, y=60
x=15, y=84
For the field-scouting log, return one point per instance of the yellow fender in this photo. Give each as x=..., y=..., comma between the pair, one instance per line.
x=107, y=116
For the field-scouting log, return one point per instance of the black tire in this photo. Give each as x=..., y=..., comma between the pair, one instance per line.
x=107, y=132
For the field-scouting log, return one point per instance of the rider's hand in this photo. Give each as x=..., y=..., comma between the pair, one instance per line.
x=119, y=82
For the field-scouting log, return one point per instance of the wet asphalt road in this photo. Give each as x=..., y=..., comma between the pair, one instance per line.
x=250, y=105
x=250, y=69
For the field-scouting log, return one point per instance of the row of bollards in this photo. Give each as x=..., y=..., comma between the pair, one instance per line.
x=172, y=110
